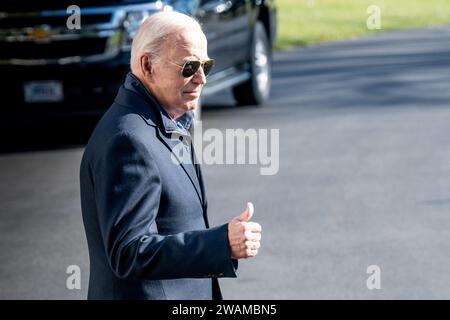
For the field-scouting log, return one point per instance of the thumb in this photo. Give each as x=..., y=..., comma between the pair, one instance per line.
x=248, y=213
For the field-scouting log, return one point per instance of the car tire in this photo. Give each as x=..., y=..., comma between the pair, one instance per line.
x=256, y=89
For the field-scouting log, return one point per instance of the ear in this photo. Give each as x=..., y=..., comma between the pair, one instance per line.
x=146, y=65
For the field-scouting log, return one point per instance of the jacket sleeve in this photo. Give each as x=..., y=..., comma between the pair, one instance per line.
x=127, y=188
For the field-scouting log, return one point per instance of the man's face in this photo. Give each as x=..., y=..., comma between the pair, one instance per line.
x=176, y=93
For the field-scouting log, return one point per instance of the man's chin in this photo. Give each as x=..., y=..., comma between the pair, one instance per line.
x=193, y=104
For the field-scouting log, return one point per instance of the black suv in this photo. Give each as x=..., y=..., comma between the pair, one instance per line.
x=52, y=65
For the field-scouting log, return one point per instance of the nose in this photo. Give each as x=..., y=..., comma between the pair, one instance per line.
x=199, y=77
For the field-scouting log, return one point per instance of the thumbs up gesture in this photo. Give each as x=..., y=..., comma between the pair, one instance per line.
x=244, y=236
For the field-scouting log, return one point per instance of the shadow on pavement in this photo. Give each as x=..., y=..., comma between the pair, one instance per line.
x=26, y=135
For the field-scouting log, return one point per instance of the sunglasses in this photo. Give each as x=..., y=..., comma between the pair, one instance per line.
x=190, y=67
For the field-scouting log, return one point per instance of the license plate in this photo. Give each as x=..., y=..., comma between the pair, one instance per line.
x=43, y=91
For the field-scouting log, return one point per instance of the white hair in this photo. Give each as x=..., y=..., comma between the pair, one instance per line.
x=154, y=31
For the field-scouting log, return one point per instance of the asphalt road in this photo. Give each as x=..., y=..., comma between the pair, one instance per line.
x=364, y=179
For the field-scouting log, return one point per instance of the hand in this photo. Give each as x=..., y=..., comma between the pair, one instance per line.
x=244, y=236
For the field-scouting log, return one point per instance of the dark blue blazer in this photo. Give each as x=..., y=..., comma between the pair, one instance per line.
x=145, y=216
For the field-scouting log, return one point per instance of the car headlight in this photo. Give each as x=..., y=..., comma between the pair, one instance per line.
x=134, y=19
x=131, y=25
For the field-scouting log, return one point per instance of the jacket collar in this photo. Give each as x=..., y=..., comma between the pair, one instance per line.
x=135, y=95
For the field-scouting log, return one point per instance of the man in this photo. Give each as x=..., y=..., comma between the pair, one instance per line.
x=144, y=213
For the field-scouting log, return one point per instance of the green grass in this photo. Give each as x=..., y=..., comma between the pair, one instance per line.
x=304, y=22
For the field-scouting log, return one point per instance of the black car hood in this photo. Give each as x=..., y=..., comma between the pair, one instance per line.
x=40, y=5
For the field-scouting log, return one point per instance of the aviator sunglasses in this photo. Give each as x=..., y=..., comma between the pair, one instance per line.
x=190, y=67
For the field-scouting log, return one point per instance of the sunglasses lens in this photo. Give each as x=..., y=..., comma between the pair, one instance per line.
x=190, y=68
x=207, y=67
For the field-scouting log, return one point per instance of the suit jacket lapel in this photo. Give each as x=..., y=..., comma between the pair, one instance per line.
x=199, y=172
x=188, y=168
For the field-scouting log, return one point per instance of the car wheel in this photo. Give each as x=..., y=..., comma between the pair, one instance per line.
x=256, y=89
